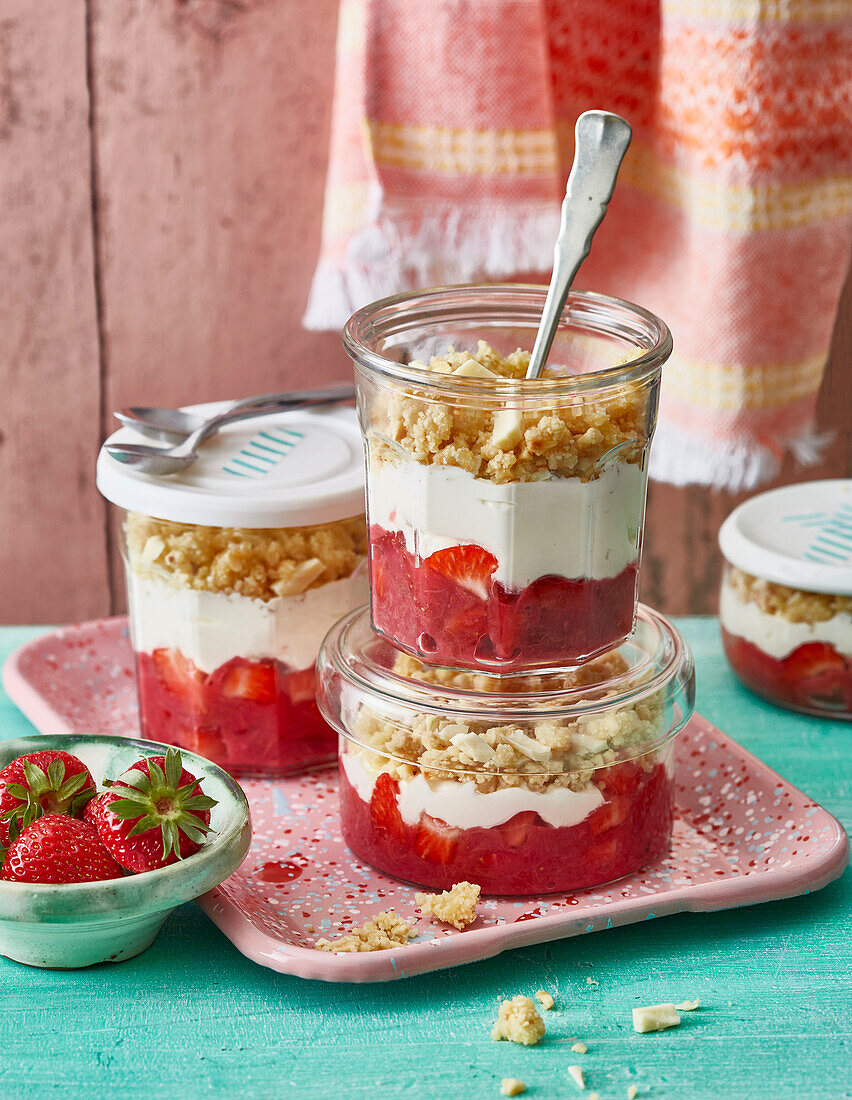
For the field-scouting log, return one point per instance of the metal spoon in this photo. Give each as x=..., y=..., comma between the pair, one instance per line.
x=172, y=425
x=600, y=142
x=171, y=460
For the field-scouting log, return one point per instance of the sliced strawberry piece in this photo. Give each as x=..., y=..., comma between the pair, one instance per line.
x=609, y=815
x=435, y=840
x=254, y=681
x=384, y=807
x=812, y=660
x=300, y=686
x=179, y=676
x=469, y=566
x=623, y=778
x=516, y=830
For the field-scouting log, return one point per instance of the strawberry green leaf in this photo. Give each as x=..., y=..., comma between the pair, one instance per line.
x=17, y=790
x=173, y=768
x=158, y=779
x=35, y=777
x=56, y=774
x=128, y=808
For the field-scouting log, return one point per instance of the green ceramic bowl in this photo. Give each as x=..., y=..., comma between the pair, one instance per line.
x=90, y=922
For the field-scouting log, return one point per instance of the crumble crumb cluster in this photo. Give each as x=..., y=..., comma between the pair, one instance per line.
x=259, y=563
x=456, y=906
x=384, y=932
x=791, y=604
x=544, y=999
x=580, y=1048
x=550, y=753
x=512, y=1086
x=563, y=437
x=519, y=1022
x=655, y=1018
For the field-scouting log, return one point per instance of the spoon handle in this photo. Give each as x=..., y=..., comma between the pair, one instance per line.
x=261, y=404
x=600, y=142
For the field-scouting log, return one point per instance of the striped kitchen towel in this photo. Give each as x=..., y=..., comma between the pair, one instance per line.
x=452, y=138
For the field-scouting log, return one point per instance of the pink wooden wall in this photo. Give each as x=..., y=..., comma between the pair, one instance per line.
x=161, y=183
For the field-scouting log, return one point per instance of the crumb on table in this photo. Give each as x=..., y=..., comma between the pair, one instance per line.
x=519, y=1022
x=655, y=1018
x=544, y=999
x=632, y=1092
x=512, y=1086
x=456, y=906
x=382, y=933
x=592, y=981
x=577, y=1076
x=580, y=1048
x=687, y=1006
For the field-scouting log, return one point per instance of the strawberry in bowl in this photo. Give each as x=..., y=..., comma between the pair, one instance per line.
x=47, y=781
x=170, y=827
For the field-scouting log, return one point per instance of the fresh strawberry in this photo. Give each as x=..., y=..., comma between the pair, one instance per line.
x=179, y=676
x=44, y=782
x=58, y=848
x=384, y=809
x=253, y=681
x=609, y=815
x=470, y=566
x=153, y=814
x=812, y=660
x=435, y=840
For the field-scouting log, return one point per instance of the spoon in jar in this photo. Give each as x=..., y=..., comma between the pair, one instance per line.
x=171, y=460
x=600, y=142
x=172, y=425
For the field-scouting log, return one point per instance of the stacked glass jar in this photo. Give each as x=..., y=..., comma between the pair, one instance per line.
x=504, y=715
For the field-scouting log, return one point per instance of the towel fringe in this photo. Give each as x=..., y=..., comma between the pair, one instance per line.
x=404, y=249
x=680, y=458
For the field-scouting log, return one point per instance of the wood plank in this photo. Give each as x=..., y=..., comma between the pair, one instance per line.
x=681, y=561
x=52, y=560
x=212, y=123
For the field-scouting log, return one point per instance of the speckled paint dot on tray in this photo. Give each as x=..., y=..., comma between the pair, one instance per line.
x=742, y=835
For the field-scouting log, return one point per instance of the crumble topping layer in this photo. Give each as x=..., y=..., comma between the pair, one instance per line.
x=384, y=932
x=262, y=563
x=518, y=1021
x=792, y=604
x=456, y=906
x=550, y=753
x=567, y=437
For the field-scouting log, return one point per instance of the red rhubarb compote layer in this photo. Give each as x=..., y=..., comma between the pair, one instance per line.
x=814, y=677
x=250, y=717
x=449, y=608
x=629, y=829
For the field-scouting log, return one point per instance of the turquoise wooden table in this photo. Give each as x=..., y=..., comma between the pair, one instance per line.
x=192, y=1017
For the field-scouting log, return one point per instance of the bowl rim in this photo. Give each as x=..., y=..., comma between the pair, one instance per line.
x=129, y=892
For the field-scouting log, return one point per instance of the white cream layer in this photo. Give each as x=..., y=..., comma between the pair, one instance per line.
x=776, y=635
x=561, y=526
x=211, y=628
x=464, y=807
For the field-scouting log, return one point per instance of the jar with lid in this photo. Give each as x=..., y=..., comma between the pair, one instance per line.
x=235, y=570
x=785, y=605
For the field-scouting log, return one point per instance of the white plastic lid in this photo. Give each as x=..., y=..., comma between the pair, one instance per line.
x=288, y=469
x=799, y=536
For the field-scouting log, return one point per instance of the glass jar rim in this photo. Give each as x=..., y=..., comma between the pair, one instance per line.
x=665, y=659
x=583, y=309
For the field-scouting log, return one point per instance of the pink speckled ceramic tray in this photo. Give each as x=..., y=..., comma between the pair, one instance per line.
x=742, y=835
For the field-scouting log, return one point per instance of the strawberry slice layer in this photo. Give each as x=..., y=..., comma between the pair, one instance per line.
x=449, y=609
x=814, y=678
x=251, y=717
x=524, y=855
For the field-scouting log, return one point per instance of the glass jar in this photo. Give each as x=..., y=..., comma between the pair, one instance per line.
x=505, y=514
x=524, y=785
x=785, y=604
x=235, y=570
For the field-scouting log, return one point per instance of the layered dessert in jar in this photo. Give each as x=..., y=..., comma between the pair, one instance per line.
x=522, y=785
x=785, y=604
x=226, y=621
x=505, y=515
